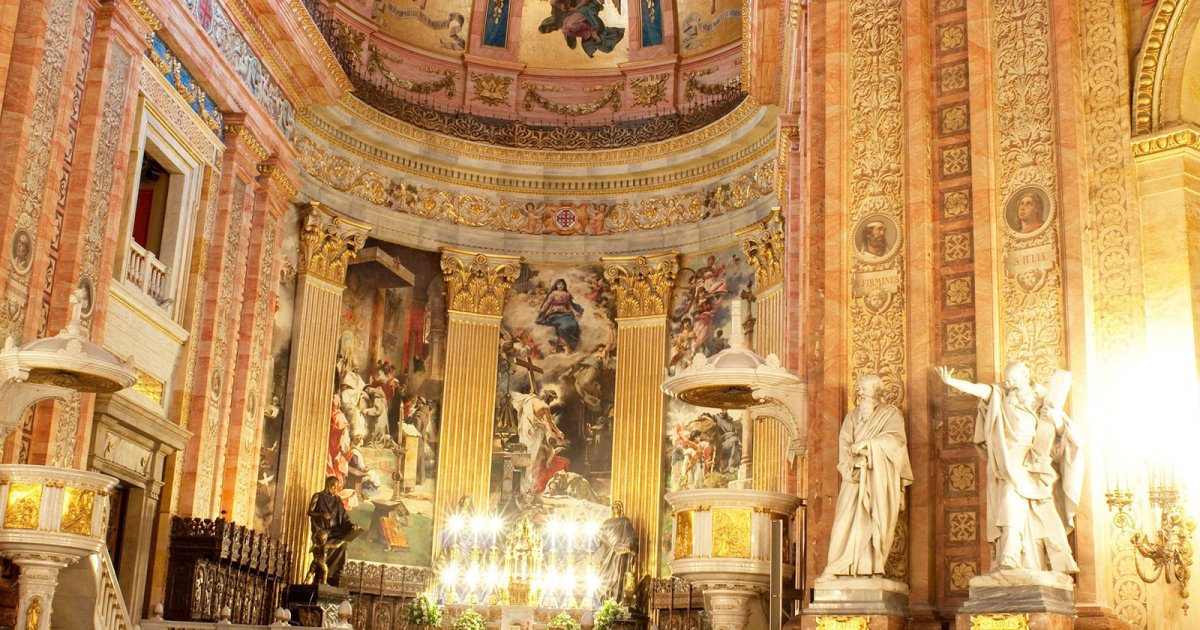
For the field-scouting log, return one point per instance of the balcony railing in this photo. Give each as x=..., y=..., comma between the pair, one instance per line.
x=146, y=272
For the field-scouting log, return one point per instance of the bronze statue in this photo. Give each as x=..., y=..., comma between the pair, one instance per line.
x=332, y=530
x=618, y=553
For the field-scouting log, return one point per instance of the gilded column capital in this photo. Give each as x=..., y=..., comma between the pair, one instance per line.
x=763, y=245
x=477, y=283
x=328, y=242
x=643, y=284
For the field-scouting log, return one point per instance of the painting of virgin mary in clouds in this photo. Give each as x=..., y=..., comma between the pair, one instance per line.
x=579, y=21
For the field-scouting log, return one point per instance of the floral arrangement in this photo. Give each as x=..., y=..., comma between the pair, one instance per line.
x=608, y=612
x=423, y=611
x=469, y=620
x=563, y=621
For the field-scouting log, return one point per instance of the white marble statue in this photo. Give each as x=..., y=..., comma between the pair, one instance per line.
x=1034, y=470
x=873, y=462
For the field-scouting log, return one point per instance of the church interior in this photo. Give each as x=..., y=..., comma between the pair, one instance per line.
x=612, y=315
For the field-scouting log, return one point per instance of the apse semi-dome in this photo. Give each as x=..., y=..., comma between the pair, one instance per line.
x=543, y=74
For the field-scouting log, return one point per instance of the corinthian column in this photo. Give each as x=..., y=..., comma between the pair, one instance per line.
x=327, y=244
x=763, y=245
x=476, y=285
x=643, y=286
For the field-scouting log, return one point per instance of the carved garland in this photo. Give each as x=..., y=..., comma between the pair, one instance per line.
x=1032, y=327
x=643, y=285
x=377, y=64
x=611, y=98
x=693, y=86
x=478, y=284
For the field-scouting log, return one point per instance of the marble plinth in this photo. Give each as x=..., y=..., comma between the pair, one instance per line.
x=1023, y=621
x=1021, y=591
x=859, y=596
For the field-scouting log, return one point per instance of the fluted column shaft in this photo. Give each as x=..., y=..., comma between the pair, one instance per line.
x=476, y=287
x=643, y=286
x=327, y=244
x=763, y=244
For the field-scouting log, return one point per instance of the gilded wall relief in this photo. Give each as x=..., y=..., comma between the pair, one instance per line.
x=386, y=412
x=555, y=392
x=1032, y=326
x=876, y=326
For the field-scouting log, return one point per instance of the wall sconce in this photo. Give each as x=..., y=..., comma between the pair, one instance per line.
x=1170, y=550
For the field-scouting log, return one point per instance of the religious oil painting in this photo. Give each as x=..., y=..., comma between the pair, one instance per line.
x=875, y=237
x=552, y=442
x=582, y=26
x=385, y=407
x=703, y=446
x=1028, y=210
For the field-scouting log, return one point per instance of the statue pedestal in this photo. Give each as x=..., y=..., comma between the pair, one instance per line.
x=881, y=602
x=1042, y=600
x=315, y=606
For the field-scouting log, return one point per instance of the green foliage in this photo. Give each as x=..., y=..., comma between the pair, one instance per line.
x=423, y=611
x=469, y=620
x=563, y=621
x=609, y=612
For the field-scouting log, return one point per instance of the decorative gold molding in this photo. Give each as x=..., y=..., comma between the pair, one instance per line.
x=692, y=85
x=328, y=242
x=763, y=245
x=276, y=174
x=1169, y=140
x=1150, y=64
x=148, y=385
x=376, y=64
x=146, y=14
x=341, y=174
x=643, y=284
x=490, y=89
x=324, y=50
x=842, y=622
x=477, y=283
x=363, y=112
x=650, y=90
x=243, y=133
x=783, y=149
x=611, y=98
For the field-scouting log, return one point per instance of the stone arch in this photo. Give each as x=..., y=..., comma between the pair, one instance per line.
x=1168, y=55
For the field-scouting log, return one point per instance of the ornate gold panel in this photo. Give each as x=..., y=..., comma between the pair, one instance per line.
x=683, y=535
x=843, y=622
x=24, y=506
x=78, y=506
x=1000, y=622
x=731, y=532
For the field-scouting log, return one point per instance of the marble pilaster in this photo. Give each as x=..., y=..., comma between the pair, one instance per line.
x=643, y=286
x=327, y=243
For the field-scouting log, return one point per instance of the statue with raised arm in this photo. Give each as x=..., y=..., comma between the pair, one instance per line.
x=1034, y=470
x=875, y=470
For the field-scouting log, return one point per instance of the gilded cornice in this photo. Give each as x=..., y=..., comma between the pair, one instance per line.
x=328, y=243
x=361, y=112
x=146, y=14
x=477, y=283
x=643, y=284
x=247, y=137
x=1151, y=62
x=242, y=15
x=763, y=244
x=276, y=174
x=317, y=41
x=1166, y=141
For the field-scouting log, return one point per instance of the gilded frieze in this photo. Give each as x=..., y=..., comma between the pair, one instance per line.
x=763, y=244
x=643, y=284
x=327, y=243
x=477, y=283
x=1032, y=327
x=540, y=217
x=876, y=203
x=180, y=78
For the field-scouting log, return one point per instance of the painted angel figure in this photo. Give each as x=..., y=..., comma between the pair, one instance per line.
x=1034, y=468
x=579, y=20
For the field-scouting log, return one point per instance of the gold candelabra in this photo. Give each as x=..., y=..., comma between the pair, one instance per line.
x=1170, y=549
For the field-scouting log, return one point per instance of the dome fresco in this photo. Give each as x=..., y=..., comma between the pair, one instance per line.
x=547, y=74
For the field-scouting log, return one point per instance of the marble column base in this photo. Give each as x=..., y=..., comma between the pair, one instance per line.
x=859, y=596
x=1046, y=597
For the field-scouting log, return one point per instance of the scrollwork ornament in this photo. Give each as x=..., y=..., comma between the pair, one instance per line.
x=763, y=245
x=643, y=285
x=477, y=283
x=327, y=243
